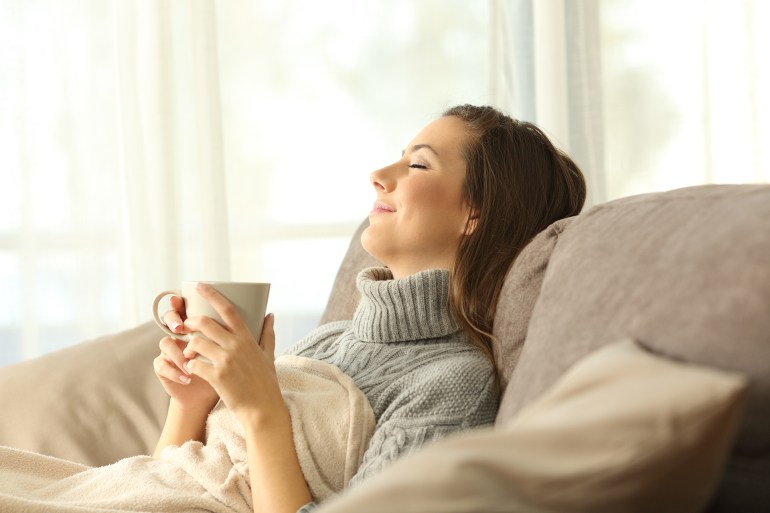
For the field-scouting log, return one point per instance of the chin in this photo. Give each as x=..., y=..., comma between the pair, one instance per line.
x=365, y=239
x=368, y=242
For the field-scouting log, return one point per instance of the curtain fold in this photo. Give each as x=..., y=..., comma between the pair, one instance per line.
x=210, y=144
x=174, y=207
x=547, y=70
x=645, y=95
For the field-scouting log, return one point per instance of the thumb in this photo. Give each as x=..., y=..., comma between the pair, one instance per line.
x=267, y=339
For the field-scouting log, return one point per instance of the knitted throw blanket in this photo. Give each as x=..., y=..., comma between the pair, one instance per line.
x=332, y=423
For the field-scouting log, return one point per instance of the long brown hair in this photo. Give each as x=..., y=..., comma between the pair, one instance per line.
x=517, y=183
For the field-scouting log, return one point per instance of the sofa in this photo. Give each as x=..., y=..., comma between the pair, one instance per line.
x=632, y=349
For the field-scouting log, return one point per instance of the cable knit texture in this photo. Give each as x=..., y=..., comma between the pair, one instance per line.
x=422, y=375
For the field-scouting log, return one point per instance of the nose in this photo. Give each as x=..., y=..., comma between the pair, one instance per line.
x=383, y=179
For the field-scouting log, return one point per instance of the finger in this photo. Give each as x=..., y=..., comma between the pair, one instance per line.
x=174, y=321
x=177, y=303
x=201, y=346
x=202, y=369
x=171, y=349
x=210, y=328
x=165, y=369
x=223, y=307
x=267, y=339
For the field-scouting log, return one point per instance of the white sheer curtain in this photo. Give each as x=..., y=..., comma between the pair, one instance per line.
x=112, y=155
x=646, y=95
x=170, y=142
x=145, y=142
x=60, y=245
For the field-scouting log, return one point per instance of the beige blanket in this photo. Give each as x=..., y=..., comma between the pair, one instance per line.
x=332, y=423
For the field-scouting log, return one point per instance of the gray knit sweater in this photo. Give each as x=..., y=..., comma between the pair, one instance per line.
x=405, y=351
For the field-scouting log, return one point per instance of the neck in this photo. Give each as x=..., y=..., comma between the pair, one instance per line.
x=404, y=269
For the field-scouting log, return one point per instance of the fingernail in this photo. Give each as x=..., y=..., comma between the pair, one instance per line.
x=175, y=326
x=185, y=379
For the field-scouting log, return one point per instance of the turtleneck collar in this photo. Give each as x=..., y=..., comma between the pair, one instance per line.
x=412, y=308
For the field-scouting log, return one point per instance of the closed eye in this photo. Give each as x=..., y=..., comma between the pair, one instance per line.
x=418, y=166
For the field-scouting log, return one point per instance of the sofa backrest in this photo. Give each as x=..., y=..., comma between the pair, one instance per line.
x=687, y=274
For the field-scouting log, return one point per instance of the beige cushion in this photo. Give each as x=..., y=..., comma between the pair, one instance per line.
x=93, y=403
x=622, y=431
x=687, y=272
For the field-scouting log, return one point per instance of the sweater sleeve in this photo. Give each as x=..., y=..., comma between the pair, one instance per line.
x=441, y=399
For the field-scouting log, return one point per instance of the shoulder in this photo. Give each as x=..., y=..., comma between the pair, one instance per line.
x=462, y=368
x=453, y=388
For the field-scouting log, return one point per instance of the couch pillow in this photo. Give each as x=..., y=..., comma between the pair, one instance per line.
x=93, y=403
x=687, y=273
x=518, y=296
x=623, y=431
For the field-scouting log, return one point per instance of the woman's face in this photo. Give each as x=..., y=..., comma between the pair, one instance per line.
x=419, y=214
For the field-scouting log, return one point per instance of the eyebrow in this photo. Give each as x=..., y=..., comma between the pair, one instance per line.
x=421, y=146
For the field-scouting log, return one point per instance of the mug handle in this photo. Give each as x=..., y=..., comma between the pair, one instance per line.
x=162, y=325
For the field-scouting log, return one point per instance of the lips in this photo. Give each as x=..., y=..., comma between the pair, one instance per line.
x=382, y=208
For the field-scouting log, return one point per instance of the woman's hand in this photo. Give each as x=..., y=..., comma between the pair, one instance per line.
x=188, y=391
x=242, y=370
x=175, y=317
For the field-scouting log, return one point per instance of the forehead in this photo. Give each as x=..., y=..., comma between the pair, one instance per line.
x=445, y=134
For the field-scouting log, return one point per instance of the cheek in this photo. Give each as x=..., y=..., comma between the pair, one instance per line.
x=437, y=196
x=440, y=205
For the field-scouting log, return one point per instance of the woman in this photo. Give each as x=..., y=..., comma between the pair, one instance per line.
x=450, y=216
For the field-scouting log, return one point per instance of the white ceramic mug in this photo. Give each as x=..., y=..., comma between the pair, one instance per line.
x=249, y=299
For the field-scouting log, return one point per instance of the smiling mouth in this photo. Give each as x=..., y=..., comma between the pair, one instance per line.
x=382, y=208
